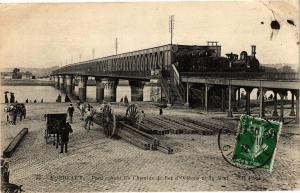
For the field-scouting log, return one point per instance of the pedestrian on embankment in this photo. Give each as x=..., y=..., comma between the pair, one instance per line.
x=160, y=111
x=6, y=98
x=82, y=111
x=12, y=98
x=70, y=112
x=89, y=118
x=67, y=99
x=126, y=102
x=65, y=131
x=58, y=98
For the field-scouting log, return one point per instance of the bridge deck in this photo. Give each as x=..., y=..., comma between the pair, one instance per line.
x=265, y=83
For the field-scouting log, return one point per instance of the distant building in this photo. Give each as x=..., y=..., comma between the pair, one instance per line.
x=21, y=75
x=26, y=75
x=6, y=75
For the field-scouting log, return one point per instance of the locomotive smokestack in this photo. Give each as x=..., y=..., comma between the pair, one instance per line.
x=253, y=51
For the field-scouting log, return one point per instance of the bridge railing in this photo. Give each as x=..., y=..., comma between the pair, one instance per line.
x=128, y=74
x=174, y=75
x=165, y=85
x=245, y=75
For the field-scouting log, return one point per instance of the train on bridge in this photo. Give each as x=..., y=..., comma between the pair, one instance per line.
x=186, y=58
x=209, y=60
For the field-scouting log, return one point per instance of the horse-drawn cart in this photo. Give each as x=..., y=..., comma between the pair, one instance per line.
x=54, y=122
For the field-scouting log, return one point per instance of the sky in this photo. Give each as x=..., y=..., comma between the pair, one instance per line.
x=45, y=35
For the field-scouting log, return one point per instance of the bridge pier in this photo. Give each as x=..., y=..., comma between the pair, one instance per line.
x=239, y=97
x=56, y=78
x=99, y=90
x=282, y=94
x=229, y=114
x=234, y=108
x=275, y=113
x=187, y=94
x=136, y=90
x=292, y=113
x=110, y=89
x=69, y=84
x=223, y=99
x=61, y=83
x=248, y=92
x=206, y=87
x=297, y=106
x=82, y=88
x=152, y=91
x=281, y=106
x=261, y=102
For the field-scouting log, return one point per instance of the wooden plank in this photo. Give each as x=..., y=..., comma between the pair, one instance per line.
x=11, y=148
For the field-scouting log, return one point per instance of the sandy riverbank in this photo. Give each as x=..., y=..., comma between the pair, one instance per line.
x=95, y=163
x=23, y=82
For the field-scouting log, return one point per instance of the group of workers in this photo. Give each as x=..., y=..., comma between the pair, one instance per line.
x=12, y=97
x=124, y=100
x=67, y=98
x=35, y=101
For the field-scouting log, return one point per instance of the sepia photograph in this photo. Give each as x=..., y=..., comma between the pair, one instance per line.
x=177, y=96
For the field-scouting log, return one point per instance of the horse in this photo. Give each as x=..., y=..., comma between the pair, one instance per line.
x=21, y=110
x=82, y=109
x=13, y=111
x=11, y=114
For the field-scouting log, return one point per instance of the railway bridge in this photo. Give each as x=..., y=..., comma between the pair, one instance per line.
x=155, y=68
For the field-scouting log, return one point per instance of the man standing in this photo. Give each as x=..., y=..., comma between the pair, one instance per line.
x=126, y=101
x=65, y=131
x=160, y=111
x=12, y=98
x=70, y=112
x=67, y=99
x=6, y=98
x=58, y=98
x=89, y=117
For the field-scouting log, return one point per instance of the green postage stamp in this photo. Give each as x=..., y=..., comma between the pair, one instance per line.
x=256, y=142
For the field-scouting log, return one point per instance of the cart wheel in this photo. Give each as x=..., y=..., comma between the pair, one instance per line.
x=108, y=121
x=133, y=115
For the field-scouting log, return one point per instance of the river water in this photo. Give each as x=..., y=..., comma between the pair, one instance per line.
x=49, y=93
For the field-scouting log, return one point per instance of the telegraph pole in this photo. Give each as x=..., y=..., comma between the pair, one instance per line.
x=93, y=52
x=171, y=27
x=116, y=46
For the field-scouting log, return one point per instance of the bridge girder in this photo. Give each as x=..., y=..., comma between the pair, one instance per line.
x=138, y=64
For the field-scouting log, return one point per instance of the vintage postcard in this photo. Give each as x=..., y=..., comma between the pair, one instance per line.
x=150, y=96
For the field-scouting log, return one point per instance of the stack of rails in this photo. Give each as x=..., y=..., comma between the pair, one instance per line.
x=142, y=139
x=177, y=127
x=137, y=137
x=174, y=128
x=153, y=128
x=197, y=128
x=215, y=128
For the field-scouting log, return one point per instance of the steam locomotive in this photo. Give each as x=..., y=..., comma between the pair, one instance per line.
x=207, y=60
